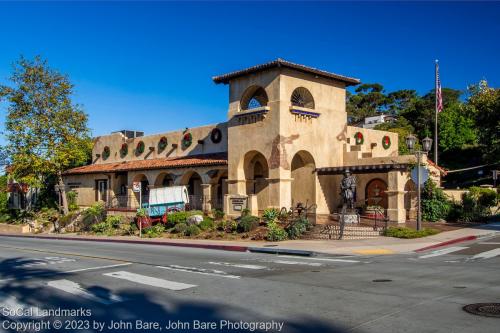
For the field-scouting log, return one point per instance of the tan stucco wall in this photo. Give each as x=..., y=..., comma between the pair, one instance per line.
x=114, y=142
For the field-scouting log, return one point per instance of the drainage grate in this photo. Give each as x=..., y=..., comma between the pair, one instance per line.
x=484, y=309
x=381, y=280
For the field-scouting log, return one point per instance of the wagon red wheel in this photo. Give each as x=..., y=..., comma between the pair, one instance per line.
x=145, y=222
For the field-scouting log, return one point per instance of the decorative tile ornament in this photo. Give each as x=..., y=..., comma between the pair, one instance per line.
x=162, y=144
x=386, y=142
x=124, y=150
x=359, y=139
x=187, y=140
x=140, y=148
x=216, y=135
x=106, y=152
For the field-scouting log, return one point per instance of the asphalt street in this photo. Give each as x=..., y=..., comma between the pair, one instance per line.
x=135, y=287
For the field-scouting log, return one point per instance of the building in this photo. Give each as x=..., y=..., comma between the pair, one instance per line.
x=285, y=141
x=371, y=122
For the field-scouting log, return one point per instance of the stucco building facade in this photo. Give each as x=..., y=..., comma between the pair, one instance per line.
x=286, y=140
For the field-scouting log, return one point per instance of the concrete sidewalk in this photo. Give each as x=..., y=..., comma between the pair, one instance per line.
x=373, y=246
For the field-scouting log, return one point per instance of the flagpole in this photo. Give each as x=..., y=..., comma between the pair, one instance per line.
x=436, y=115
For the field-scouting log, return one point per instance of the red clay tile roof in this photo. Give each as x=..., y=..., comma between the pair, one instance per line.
x=158, y=163
x=443, y=171
x=225, y=78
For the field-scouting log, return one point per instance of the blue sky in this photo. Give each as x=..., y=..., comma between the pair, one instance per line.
x=148, y=66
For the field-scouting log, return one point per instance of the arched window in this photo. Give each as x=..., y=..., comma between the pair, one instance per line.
x=301, y=97
x=254, y=97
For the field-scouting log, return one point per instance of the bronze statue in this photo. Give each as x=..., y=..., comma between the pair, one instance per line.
x=348, y=190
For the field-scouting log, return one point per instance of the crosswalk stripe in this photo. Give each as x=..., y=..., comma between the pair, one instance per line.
x=149, y=280
x=487, y=254
x=443, y=251
x=197, y=270
x=75, y=289
x=11, y=307
x=236, y=265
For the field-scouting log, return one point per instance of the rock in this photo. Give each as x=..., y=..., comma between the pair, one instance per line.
x=194, y=219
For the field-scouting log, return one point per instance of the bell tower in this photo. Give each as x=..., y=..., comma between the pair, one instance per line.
x=284, y=120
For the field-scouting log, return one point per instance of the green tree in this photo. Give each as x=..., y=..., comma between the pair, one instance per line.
x=368, y=101
x=401, y=101
x=486, y=104
x=46, y=133
x=456, y=128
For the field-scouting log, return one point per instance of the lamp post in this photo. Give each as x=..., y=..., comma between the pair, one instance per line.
x=426, y=147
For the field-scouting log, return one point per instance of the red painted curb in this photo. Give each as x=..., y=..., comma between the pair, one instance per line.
x=234, y=248
x=453, y=241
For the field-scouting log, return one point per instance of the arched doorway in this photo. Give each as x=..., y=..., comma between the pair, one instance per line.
x=256, y=175
x=375, y=193
x=410, y=200
x=303, y=179
x=193, y=182
x=221, y=189
x=144, y=194
x=164, y=180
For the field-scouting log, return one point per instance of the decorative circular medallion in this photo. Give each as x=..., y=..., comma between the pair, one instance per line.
x=359, y=139
x=187, y=139
x=105, y=153
x=124, y=150
x=140, y=148
x=386, y=142
x=162, y=144
x=216, y=135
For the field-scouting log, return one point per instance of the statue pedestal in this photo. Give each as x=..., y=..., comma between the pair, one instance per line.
x=349, y=218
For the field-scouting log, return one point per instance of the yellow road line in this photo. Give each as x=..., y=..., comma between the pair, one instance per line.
x=374, y=251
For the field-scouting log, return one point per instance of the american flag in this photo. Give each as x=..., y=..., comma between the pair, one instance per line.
x=439, y=96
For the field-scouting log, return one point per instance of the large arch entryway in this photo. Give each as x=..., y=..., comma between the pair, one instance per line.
x=375, y=193
x=193, y=182
x=256, y=175
x=303, y=179
x=164, y=180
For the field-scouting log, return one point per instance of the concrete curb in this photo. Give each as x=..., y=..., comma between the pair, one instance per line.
x=281, y=251
x=453, y=241
x=234, y=248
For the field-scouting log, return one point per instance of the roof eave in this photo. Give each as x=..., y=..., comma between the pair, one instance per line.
x=226, y=78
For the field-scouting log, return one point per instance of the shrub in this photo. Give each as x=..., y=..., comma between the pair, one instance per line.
x=403, y=232
x=435, y=204
x=270, y=214
x=275, y=232
x=248, y=223
x=179, y=228
x=297, y=228
x=114, y=221
x=154, y=231
x=218, y=214
x=476, y=204
x=72, y=196
x=245, y=212
x=99, y=228
x=181, y=217
x=141, y=212
x=192, y=230
x=108, y=226
x=206, y=224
